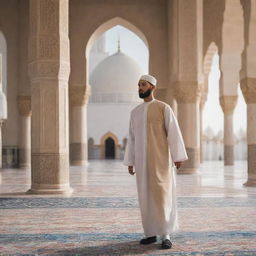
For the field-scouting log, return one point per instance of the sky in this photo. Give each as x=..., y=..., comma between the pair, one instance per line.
x=133, y=46
x=130, y=44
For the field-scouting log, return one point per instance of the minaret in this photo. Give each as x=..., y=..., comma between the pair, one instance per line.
x=98, y=52
x=100, y=45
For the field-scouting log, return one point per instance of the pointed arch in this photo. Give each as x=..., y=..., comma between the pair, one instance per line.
x=207, y=63
x=108, y=25
x=107, y=135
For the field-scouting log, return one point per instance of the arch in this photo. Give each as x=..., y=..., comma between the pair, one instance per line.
x=110, y=148
x=107, y=135
x=108, y=25
x=103, y=144
x=207, y=63
x=3, y=66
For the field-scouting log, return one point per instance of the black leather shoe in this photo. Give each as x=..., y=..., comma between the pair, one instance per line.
x=148, y=240
x=166, y=244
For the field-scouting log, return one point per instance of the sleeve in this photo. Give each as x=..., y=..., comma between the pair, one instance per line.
x=129, y=155
x=174, y=136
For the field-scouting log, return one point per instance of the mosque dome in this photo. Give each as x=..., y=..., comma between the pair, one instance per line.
x=115, y=79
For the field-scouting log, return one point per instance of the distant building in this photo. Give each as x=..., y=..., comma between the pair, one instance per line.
x=213, y=148
x=114, y=93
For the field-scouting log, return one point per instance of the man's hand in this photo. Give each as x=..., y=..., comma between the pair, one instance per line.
x=130, y=170
x=178, y=164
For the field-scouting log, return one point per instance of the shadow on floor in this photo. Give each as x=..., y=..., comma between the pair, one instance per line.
x=125, y=248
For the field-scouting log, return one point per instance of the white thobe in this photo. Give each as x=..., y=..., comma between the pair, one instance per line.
x=136, y=155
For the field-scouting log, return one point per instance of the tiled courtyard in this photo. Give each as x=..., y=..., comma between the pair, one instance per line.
x=217, y=214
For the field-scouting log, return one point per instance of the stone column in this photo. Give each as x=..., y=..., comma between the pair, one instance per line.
x=201, y=107
x=228, y=103
x=24, y=104
x=1, y=146
x=49, y=70
x=188, y=96
x=230, y=49
x=186, y=72
x=248, y=86
x=78, y=144
x=3, y=107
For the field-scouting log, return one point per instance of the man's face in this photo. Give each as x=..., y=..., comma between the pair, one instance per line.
x=145, y=88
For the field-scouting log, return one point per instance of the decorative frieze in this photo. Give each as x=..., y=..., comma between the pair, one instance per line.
x=24, y=104
x=187, y=91
x=228, y=103
x=79, y=95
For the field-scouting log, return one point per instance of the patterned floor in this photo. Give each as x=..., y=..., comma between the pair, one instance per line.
x=217, y=214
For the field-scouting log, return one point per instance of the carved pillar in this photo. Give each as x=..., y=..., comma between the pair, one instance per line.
x=228, y=103
x=248, y=86
x=230, y=50
x=78, y=144
x=24, y=104
x=3, y=108
x=186, y=72
x=1, y=146
x=201, y=107
x=187, y=95
x=49, y=70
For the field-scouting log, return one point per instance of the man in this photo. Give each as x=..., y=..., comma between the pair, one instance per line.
x=154, y=143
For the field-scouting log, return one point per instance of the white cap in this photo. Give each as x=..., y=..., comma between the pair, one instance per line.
x=149, y=79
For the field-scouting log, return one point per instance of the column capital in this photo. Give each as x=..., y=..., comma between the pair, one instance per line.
x=79, y=95
x=24, y=105
x=203, y=100
x=187, y=91
x=228, y=103
x=161, y=94
x=248, y=87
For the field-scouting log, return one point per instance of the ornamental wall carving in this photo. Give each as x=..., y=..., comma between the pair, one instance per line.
x=187, y=91
x=55, y=162
x=228, y=103
x=49, y=15
x=49, y=69
x=248, y=87
x=79, y=95
x=24, y=105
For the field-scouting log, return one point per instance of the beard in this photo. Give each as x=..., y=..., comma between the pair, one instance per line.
x=145, y=94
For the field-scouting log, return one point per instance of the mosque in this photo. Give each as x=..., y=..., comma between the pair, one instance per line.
x=64, y=114
x=114, y=83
